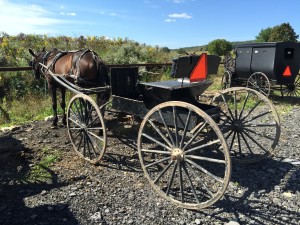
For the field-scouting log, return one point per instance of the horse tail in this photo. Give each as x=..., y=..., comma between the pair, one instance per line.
x=103, y=76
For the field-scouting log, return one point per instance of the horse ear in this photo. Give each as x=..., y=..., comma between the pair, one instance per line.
x=31, y=52
x=44, y=49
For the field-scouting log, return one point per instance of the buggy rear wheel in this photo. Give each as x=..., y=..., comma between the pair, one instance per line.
x=86, y=128
x=249, y=122
x=184, y=155
x=259, y=82
x=291, y=90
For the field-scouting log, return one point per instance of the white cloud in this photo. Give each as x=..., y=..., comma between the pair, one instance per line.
x=25, y=18
x=170, y=20
x=180, y=15
x=178, y=1
x=68, y=13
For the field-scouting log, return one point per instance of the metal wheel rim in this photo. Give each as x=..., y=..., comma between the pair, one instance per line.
x=292, y=90
x=247, y=116
x=259, y=82
x=86, y=128
x=175, y=178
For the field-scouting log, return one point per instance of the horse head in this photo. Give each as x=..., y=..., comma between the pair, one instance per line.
x=37, y=58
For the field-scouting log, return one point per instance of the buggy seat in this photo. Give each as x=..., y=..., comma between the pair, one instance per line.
x=190, y=74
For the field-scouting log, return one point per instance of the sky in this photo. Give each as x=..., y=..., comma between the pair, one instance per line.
x=166, y=23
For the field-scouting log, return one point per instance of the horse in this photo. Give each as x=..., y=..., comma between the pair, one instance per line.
x=81, y=67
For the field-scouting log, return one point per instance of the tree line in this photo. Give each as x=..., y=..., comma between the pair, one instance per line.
x=282, y=32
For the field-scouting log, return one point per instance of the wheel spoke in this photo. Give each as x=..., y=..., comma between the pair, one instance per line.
x=252, y=109
x=172, y=178
x=163, y=171
x=96, y=136
x=243, y=108
x=263, y=136
x=194, y=136
x=252, y=139
x=166, y=126
x=258, y=116
x=204, y=170
x=202, y=146
x=160, y=133
x=249, y=148
x=180, y=180
x=156, y=151
x=175, y=125
x=200, y=181
x=156, y=141
x=205, y=159
x=157, y=162
x=185, y=128
x=190, y=182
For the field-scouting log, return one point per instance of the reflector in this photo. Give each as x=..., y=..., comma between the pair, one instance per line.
x=287, y=72
x=200, y=70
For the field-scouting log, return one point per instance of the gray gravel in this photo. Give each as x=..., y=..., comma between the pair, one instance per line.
x=116, y=191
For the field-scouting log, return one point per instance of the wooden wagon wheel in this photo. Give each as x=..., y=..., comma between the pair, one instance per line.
x=249, y=122
x=259, y=82
x=226, y=80
x=184, y=155
x=291, y=90
x=86, y=128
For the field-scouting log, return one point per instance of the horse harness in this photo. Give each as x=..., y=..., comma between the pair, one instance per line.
x=75, y=62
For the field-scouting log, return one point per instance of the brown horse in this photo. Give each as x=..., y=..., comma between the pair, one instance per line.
x=83, y=68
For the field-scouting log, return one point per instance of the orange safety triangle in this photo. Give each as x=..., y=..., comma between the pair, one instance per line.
x=287, y=72
x=200, y=70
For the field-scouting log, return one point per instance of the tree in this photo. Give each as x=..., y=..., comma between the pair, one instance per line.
x=264, y=35
x=219, y=47
x=283, y=32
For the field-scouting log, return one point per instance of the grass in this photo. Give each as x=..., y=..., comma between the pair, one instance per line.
x=41, y=171
x=26, y=109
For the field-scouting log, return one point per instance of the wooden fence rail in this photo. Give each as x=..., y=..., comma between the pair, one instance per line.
x=24, y=68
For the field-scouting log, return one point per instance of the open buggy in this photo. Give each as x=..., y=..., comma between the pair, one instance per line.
x=265, y=67
x=185, y=146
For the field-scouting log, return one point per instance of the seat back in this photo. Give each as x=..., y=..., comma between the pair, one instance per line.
x=193, y=67
x=123, y=81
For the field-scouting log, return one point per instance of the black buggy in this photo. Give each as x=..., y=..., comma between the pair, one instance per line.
x=265, y=67
x=185, y=147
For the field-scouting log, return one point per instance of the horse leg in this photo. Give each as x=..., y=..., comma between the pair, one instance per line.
x=54, y=104
x=63, y=105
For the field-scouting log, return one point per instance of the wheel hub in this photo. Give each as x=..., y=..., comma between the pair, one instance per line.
x=238, y=125
x=177, y=154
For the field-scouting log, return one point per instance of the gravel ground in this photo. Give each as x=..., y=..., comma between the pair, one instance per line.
x=116, y=191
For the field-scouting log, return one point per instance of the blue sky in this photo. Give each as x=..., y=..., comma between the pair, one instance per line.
x=166, y=23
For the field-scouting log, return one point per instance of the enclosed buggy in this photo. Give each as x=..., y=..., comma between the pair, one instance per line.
x=263, y=66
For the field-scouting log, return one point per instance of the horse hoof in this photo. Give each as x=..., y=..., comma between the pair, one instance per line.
x=54, y=126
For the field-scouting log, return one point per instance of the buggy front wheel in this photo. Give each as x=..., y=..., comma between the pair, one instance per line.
x=184, y=155
x=259, y=82
x=86, y=128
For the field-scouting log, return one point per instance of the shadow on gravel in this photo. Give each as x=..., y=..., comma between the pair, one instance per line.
x=15, y=191
x=264, y=201
x=277, y=99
